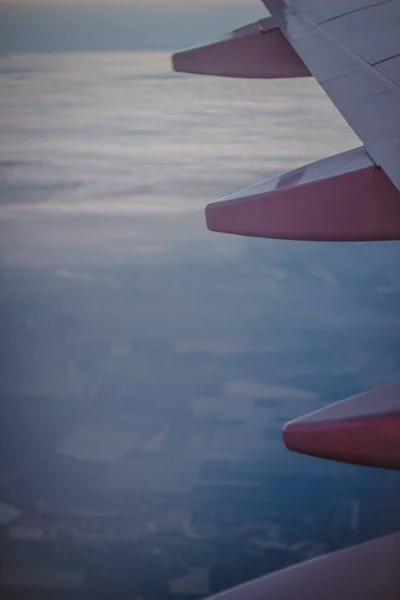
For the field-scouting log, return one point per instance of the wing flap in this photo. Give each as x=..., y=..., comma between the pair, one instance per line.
x=363, y=429
x=341, y=198
x=258, y=50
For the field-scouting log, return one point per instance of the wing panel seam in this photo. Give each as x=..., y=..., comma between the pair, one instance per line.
x=355, y=10
x=379, y=62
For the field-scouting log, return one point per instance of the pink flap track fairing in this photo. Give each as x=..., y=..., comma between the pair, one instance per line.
x=340, y=198
x=258, y=50
x=363, y=429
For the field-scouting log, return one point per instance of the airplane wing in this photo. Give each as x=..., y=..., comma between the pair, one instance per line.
x=367, y=571
x=352, y=48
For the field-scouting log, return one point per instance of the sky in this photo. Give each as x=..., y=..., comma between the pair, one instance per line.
x=105, y=25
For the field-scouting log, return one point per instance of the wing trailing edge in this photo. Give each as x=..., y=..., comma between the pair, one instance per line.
x=259, y=50
x=345, y=197
x=367, y=571
x=363, y=430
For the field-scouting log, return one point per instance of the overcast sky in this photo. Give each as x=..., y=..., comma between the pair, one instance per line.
x=107, y=25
